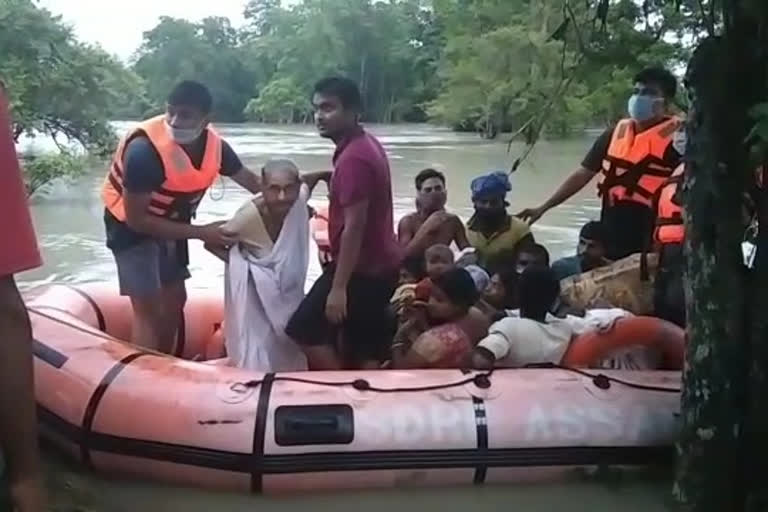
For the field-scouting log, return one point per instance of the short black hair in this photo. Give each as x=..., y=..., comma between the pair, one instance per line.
x=415, y=266
x=538, y=251
x=660, y=77
x=426, y=174
x=594, y=230
x=510, y=279
x=458, y=286
x=539, y=288
x=343, y=88
x=505, y=259
x=191, y=94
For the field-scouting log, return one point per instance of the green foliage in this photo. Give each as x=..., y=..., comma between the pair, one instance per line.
x=58, y=86
x=42, y=170
x=209, y=51
x=280, y=101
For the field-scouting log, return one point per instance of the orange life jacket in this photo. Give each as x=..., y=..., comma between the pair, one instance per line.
x=184, y=185
x=669, y=216
x=634, y=166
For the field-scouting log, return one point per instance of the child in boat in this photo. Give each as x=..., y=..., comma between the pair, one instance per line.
x=445, y=328
x=412, y=272
x=416, y=279
x=534, y=337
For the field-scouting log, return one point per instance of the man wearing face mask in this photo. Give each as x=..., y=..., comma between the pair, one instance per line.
x=634, y=158
x=160, y=172
x=430, y=224
x=491, y=230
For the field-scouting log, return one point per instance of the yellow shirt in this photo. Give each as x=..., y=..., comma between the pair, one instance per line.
x=504, y=239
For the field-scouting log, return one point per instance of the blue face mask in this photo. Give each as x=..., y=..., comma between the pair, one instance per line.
x=640, y=107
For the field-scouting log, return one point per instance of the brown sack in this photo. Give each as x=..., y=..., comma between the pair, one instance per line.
x=616, y=285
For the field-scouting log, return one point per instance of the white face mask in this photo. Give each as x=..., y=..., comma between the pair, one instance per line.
x=679, y=140
x=184, y=135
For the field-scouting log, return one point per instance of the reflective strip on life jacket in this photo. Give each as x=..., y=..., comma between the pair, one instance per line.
x=634, y=168
x=184, y=185
x=669, y=217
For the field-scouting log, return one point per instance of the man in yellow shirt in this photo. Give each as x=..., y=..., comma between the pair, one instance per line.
x=491, y=230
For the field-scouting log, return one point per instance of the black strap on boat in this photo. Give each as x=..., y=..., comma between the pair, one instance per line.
x=48, y=354
x=94, y=305
x=259, y=433
x=95, y=400
x=481, y=424
x=181, y=335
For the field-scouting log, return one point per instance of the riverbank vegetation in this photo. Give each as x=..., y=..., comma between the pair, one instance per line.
x=485, y=66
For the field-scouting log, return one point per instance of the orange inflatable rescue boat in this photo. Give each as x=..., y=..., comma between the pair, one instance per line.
x=121, y=409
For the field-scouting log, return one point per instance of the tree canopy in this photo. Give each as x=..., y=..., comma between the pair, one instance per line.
x=488, y=66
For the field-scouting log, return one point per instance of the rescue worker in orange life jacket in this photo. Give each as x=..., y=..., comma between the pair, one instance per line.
x=633, y=158
x=669, y=234
x=160, y=172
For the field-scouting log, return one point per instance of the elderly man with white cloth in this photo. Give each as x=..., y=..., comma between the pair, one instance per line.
x=266, y=269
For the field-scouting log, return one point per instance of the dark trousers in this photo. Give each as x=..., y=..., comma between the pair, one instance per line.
x=669, y=296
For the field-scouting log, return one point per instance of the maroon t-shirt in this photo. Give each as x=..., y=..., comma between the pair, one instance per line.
x=361, y=171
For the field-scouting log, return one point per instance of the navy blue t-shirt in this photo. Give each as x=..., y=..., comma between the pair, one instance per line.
x=143, y=172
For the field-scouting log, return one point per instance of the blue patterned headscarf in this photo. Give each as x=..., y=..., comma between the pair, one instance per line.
x=492, y=185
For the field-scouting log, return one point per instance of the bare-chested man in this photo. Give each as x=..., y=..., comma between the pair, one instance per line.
x=430, y=224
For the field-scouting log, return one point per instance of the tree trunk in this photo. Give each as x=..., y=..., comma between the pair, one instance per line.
x=715, y=375
x=722, y=448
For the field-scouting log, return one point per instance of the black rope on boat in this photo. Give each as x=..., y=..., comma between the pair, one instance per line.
x=603, y=381
x=481, y=380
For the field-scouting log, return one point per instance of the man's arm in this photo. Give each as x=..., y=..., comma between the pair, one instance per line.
x=139, y=219
x=220, y=252
x=405, y=231
x=311, y=179
x=355, y=221
x=460, y=236
x=247, y=179
x=578, y=179
x=18, y=424
x=572, y=184
x=232, y=167
x=420, y=240
x=482, y=358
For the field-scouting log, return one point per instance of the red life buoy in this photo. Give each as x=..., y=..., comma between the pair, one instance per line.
x=636, y=331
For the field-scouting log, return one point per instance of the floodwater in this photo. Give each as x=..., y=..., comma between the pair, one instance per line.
x=68, y=219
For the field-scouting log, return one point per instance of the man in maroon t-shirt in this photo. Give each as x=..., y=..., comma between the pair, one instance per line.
x=18, y=252
x=344, y=321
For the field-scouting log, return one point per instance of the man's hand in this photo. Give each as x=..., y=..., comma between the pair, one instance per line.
x=482, y=359
x=336, y=306
x=215, y=235
x=27, y=495
x=531, y=215
x=435, y=221
x=220, y=251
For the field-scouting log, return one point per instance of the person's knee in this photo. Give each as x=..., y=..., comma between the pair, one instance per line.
x=322, y=357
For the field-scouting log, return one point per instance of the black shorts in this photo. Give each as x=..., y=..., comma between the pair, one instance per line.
x=367, y=332
x=669, y=294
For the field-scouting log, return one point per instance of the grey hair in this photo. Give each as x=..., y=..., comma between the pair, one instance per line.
x=280, y=164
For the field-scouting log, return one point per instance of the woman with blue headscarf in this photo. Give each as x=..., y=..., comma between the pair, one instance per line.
x=491, y=230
